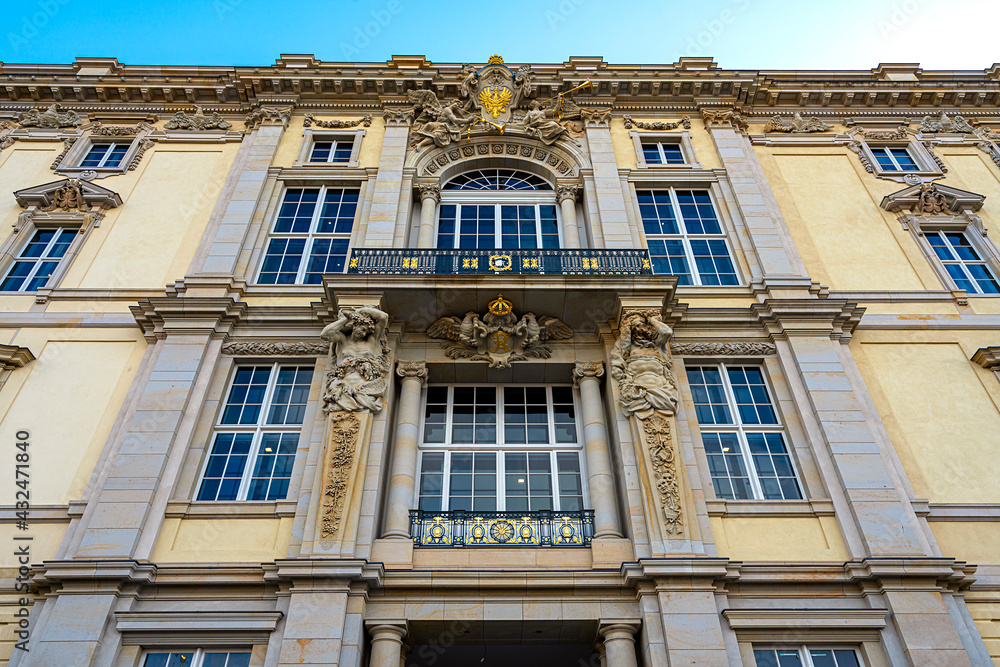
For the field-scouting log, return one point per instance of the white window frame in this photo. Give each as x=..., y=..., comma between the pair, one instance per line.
x=199, y=654
x=70, y=164
x=311, y=236
x=984, y=259
x=500, y=448
x=684, y=236
x=111, y=145
x=682, y=139
x=61, y=262
x=804, y=651
x=258, y=429
x=927, y=166
x=312, y=135
x=741, y=429
x=498, y=198
x=967, y=224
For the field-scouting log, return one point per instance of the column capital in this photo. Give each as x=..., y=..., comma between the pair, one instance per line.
x=569, y=191
x=616, y=629
x=397, y=115
x=429, y=191
x=412, y=369
x=387, y=630
x=587, y=369
x=268, y=116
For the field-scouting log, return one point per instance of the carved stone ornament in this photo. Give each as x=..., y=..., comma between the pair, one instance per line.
x=724, y=349
x=658, y=125
x=99, y=130
x=268, y=349
x=344, y=428
x=796, y=124
x=640, y=362
x=596, y=116
x=499, y=337
x=571, y=192
x=311, y=120
x=199, y=120
x=435, y=123
x=398, y=115
x=268, y=115
x=901, y=132
x=67, y=144
x=358, y=376
x=660, y=445
x=51, y=118
x=724, y=118
x=587, y=369
x=929, y=199
x=67, y=195
x=494, y=91
x=540, y=125
x=429, y=191
x=942, y=123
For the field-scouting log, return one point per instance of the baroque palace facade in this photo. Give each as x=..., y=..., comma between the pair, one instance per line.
x=410, y=363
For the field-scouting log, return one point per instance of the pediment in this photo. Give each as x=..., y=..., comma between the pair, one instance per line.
x=54, y=195
x=914, y=199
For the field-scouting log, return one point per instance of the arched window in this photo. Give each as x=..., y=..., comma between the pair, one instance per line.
x=498, y=208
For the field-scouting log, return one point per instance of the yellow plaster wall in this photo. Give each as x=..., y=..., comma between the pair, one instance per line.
x=778, y=538
x=151, y=239
x=942, y=411
x=846, y=241
x=21, y=166
x=223, y=540
x=976, y=542
x=371, y=143
x=68, y=400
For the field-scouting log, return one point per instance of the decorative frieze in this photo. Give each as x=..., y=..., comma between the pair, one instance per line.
x=724, y=349
x=270, y=349
x=659, y=444
x=658, y=125
x=640, y=362
x=52, y=118
x=796, y=124
x=499, y=337
x=341, y=445
x=311, y=120
x=944, y=123
x=198, y=121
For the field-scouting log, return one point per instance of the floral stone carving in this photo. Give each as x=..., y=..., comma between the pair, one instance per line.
x=943, y=123
x=344, y=428
x=660, y=446
x=796, y=124
x=640, y=362
x=359, y=345
x=199, y=120
x=266, y=348
x=52, y=118
x=931, y=201
x=499, y=337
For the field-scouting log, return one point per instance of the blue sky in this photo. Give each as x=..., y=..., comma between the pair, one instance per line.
x=747, y=34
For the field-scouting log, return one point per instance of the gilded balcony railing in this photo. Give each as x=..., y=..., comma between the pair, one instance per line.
x=459, y=528
x=411, y=261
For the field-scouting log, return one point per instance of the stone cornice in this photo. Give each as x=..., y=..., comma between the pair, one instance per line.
x=14, y=356
x=988, y=358
x=808, y=317
x=162, y=316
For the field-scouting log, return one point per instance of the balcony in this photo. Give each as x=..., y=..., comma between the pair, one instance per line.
x=459, y=528
x=411, y=261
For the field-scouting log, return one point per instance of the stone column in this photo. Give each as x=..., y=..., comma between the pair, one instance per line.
x=403, y=475
x=430, y=197
x=619, y=644
x=387, y=643
x=587, y=375
x=567, y=196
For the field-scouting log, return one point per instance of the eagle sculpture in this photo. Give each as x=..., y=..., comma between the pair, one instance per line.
x=495, y=100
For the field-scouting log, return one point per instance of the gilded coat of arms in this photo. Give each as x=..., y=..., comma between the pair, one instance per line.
x=494, y=91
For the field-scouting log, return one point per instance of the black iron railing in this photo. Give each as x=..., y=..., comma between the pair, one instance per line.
x=391, y=261
x=460, y=528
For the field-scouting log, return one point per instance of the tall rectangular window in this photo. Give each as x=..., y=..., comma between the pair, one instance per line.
x=488, y=448
x=310, y=237
x=742, y=434
x=37, y=260
x=685, y=237
x=513, y=226
x=969, y=271
x=257, y=434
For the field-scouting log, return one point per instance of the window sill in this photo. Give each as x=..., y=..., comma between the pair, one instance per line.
x=770, y=508
x=206, y=509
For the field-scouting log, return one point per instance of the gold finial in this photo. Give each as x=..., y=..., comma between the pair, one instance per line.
x=500, y=306
x=495, y=59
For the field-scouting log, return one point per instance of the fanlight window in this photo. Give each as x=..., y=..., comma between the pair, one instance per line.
x=497, y=179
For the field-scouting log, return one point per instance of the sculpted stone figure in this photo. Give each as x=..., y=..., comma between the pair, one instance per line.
x=931, y=202
x=437, y=124
x=52, y=118
x=796, y=124
x=640, y=362
x=942, y=123
x=357, y=380
x=68, y=197
x=199, y=120
x=538, y=125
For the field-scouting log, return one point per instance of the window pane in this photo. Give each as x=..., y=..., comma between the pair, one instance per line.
x=246, y=395
x=698, y=212
x=497, y=179
x=570, y=484
x=291, y=394
x=273, y=470
x=668, y=257
x=337, y=214
x=446, y=226
x=752, y=400
x=725, y=463
x=95, y=155
x=709, y=395
x=281, y=262
x=773, y=466
x=712, y=260
x=226, y=660
x=657, y=212
x=903, y=159
x=225, y=468
x=297, y=208
x=327, y=256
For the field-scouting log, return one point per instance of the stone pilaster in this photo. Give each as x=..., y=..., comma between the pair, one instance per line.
x=382, y=218
x=615, y=227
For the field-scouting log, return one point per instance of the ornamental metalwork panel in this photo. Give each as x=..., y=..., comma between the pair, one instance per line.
x=379, y=261
x=460, y=528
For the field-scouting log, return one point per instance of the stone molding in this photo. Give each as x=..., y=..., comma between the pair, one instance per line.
x=724, y=349
x=162, y=316
x=69, y=194
x=14, y=356
x=275, y=348
x=833, y=318
x=988, y=358
x=932, y=199
x=657, y=125
x=309, y=120
x=160, y=628
x=555, y=159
